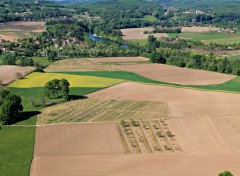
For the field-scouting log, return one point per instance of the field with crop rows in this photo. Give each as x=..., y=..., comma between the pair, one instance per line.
x=78, y=64
x=102, y=110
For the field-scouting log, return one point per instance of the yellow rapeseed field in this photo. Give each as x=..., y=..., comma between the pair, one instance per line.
x=40, y=79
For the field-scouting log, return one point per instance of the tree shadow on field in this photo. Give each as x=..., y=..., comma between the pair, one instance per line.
x=77, y=97
x=24, y=116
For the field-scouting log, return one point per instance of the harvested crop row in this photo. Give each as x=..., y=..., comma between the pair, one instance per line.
x=102, y=110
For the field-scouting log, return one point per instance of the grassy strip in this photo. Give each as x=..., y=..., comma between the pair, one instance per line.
x=16, y=150
x=232, y=86
x=37, y=93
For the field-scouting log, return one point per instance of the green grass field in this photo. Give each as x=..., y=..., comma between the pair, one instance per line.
x=16, y=150
x=214, y=37
x=42, y=61
x=150, y=18
x=141, y=42
x=234, y=56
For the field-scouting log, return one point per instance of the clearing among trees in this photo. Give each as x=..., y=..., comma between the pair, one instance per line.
x=102, y=110
x=8, y=73
x=78, y=65
x=137, y=33
x=181, y=102
x=173, y=74
x=119, y=59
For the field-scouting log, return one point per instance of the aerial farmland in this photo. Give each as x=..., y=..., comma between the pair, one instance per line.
x=158, y=122
x=119, y=88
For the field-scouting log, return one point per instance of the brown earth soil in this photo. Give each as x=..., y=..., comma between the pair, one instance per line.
x=79, y=65
x=137, y=33
x=119, y=59
x=169, y=164
x=9, y=37
x=173, y=74
x=181, y=102
x=77, y=139
x=198, y=29
x=8, y=72
x=26, y=23
x=12, y=31
x=207, y=134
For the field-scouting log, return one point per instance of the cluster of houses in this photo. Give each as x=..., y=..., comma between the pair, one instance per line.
x=194, y=12
x=227, y=31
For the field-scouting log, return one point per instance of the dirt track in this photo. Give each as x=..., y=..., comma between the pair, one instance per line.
x=181, y=102
x=173, y=74
x=8, y=73
x=137, y=165
x=119, y=59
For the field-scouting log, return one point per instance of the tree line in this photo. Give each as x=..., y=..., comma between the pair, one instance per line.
x=189, y=59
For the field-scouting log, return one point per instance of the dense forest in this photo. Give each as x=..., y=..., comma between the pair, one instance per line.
x=223, y=13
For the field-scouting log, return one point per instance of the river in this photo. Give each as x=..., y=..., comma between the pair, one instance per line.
x=101, y=40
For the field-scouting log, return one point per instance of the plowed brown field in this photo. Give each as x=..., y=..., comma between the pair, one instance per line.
x=207, y=134
x=78, y=64
x=137, y=33
x=174, y=164
x=181, y=102
x=8, y=73
x=198, y=29
x=173, y=74
x=77, y=139
x=119, y=59
x=12, y=31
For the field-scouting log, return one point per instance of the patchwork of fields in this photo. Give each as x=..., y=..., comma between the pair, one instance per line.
x=181, y=102
x=177, y=75
x=127, y=128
